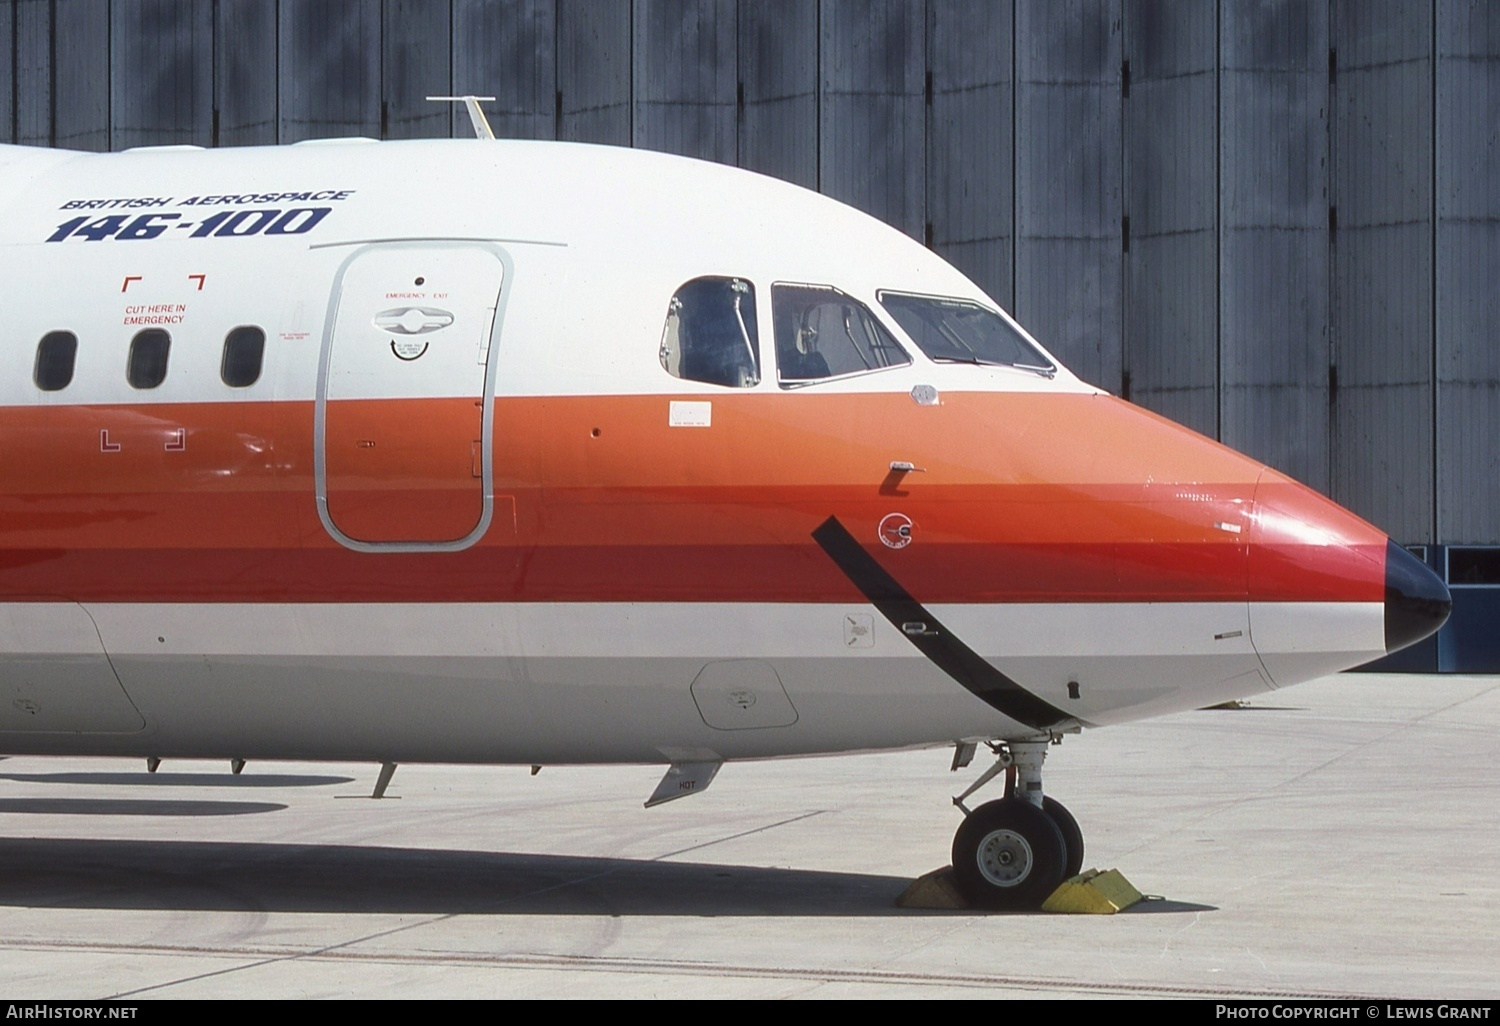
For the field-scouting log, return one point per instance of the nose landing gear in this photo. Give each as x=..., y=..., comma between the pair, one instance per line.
x=1012, y=853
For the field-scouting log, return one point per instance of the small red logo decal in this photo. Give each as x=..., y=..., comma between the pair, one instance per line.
x=895, y=530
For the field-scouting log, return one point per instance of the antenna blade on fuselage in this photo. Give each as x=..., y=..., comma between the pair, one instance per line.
x=476, y=115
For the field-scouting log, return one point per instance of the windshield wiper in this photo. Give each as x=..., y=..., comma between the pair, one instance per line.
x=1045, y=370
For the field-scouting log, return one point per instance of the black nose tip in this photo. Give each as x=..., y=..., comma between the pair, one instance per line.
x=1417, y=601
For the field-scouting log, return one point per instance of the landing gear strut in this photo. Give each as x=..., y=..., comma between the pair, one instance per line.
x=1012, y=853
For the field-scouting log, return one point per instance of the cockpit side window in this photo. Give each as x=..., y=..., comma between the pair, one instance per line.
x=824, y=333
x=711, y=334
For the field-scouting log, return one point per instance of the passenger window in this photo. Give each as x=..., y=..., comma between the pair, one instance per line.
x=147, y=366
x=711, y=335
x=824, y=333
x=56, y=354
x=244, y=351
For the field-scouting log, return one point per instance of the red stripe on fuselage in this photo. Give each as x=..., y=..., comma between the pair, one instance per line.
x=1023, y=498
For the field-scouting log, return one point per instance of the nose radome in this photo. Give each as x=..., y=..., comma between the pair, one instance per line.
x=1417, y=602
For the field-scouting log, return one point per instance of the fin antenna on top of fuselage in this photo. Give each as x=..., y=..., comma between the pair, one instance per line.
x=476, y=115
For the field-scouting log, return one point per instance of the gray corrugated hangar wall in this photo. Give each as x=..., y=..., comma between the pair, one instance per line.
x=1277, y=221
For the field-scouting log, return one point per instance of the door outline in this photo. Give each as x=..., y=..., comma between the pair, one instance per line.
x=487, y=418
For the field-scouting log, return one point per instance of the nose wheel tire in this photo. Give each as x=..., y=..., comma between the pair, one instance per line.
x=1009, y=854
x=1072, y=835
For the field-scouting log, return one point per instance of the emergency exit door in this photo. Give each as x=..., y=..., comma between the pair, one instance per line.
x=402, y=395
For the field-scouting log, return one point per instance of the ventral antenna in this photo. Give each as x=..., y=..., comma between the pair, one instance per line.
x=481, y=123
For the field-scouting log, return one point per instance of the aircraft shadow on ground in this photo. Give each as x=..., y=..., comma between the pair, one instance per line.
x=1156, y=905
x=132, y=807
x=222, y=876
x=225, y=779
x=225, y=876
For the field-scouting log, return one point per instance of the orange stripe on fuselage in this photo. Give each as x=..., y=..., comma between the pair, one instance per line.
x=1023, y=497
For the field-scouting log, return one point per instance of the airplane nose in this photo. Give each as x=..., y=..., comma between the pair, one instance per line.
x=1417, y=601
x=1327, y=590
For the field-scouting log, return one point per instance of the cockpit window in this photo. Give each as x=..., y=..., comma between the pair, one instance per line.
x=958, y=331
x=711, y=335
x=824, y=333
